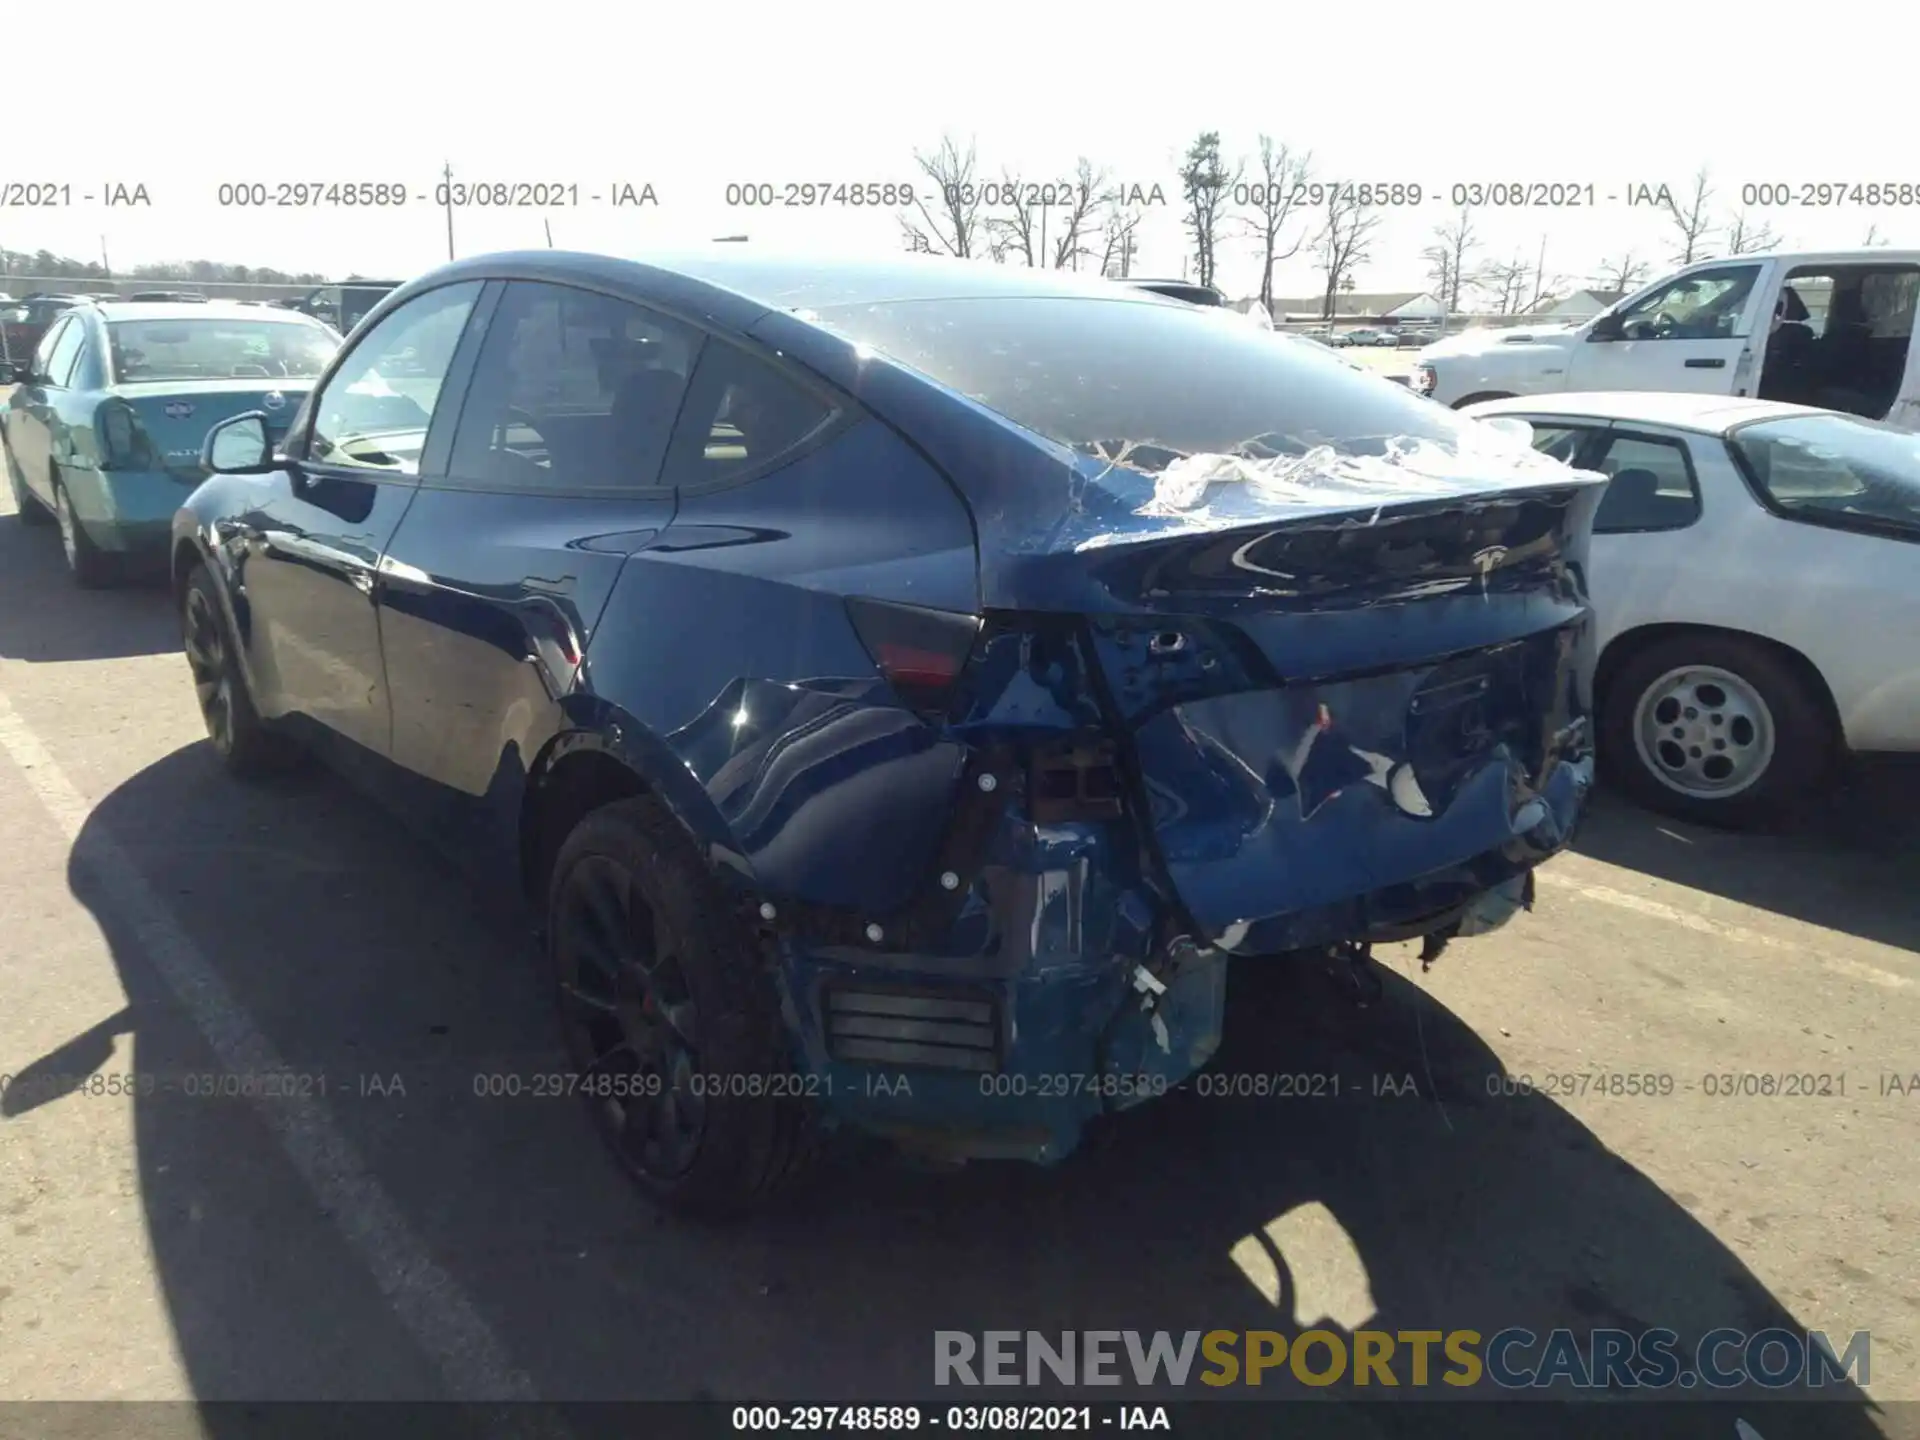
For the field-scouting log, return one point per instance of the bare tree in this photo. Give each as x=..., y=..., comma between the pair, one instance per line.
x=1118, y=222
x=1275, y=185
x=1016, y=234
x=1505, y=283
x=1621, y=274
x=1343, y=242
x=1448, y=258
x=1873, y=237
x=1090, y=188
x=1207, y=184
x=1692, y=220
x=1747, y=234
x=947, y=221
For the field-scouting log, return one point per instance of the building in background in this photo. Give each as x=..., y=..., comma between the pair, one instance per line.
x=1580, y=305
x=1355, y=306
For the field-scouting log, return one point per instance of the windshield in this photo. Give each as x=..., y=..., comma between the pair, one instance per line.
x=1837, y=470
x=222, y=348
x=1144, y=384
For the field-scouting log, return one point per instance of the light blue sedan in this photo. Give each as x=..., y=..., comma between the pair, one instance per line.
x=102, y=433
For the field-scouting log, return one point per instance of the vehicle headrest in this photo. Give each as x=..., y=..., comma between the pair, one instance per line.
x=1640, y=484
x=645, y=406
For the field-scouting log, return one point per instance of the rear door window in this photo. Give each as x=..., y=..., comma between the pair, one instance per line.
x=744, y=416
x=574, y=392
x=1651, y=485
x=43, y=352
x=66, y=350
x=1560, y=442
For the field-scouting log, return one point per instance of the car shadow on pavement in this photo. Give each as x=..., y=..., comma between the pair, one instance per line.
x=44, y=616
x=1845, y=863
x=1411, y=1199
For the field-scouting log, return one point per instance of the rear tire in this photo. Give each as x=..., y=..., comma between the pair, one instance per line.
x=671, y=1021
x=31, y=511
x=1716, y=729
x=244, y=742
x=91, y=567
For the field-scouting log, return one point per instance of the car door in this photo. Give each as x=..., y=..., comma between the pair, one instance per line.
x=492, y=586
x=309, y=550
x=1646, y=545
x=33, y=411
x=1688, y=334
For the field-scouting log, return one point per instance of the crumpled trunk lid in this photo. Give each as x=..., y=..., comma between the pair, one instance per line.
x=1347, y=720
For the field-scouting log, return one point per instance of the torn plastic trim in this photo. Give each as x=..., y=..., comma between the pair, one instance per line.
x=1119, y=483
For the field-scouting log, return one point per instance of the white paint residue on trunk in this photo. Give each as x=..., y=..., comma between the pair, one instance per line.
x=1489, y=457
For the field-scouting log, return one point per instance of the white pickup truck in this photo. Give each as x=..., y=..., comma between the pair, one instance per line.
x=1834, y=329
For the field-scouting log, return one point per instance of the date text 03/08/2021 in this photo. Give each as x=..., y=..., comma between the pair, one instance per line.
x=961, y=1419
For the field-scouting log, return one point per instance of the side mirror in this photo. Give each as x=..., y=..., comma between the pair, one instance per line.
x=238, y=446
x=1607, y=327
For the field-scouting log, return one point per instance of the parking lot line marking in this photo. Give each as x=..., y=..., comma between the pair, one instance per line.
x=1700, y=924
x=472, y=1362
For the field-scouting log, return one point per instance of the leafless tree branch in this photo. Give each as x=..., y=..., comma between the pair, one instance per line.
x=1693, y=220
x=1621, y=274
x=1271, y=193
x=947, y=222
x=1344, y=241
x=1449, y=258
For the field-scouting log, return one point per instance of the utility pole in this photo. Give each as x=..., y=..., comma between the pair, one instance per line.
x=549, y=224
x=105, y=263
x=1540, y=272
x=446, y=176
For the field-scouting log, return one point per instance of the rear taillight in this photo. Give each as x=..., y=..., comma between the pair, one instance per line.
x=920, y=652
x=121, y=446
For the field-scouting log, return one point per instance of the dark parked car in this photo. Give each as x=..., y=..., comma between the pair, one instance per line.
x=344, y=305
x=887, y=683
x=1182, y=290
x=23, y=322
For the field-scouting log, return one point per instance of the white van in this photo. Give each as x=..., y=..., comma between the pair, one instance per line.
x=1832, y=329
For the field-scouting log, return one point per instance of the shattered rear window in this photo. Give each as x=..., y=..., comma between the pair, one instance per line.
x=1144, y=384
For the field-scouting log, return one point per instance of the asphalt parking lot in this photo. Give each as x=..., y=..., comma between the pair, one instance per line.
x=381, y=1231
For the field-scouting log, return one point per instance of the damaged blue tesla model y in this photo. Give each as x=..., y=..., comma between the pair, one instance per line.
x=896, y=682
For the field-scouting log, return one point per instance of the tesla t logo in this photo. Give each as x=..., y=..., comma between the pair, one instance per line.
x=179, y=410
x=274, y=400
x=1488, y=558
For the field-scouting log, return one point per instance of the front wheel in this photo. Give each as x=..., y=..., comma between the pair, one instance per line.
x=672, y=1023
x=1714, y=728
x=239, y=736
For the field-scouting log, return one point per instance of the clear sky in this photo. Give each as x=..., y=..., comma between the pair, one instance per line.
x=183, y=97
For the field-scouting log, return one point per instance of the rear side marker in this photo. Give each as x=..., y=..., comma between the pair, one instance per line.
x=920, y=652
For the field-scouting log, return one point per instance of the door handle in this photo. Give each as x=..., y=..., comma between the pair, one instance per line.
x=1716, y=364
x=362, y=580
